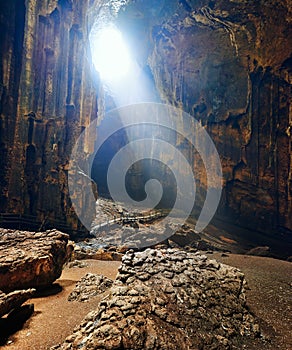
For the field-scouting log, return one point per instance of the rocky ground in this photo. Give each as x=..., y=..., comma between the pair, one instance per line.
x=90, y=285
x=110, y=242
x=171, y=296
x=55, y=317
x=170, y=299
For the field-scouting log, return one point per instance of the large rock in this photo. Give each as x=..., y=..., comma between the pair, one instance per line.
x=31, y=259
x=14, y=300
x=170, y=299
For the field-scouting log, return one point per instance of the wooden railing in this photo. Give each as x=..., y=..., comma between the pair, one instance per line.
x=32, y=223
x=140, y=217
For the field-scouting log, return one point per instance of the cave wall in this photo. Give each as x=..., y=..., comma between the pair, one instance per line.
x=228, y=64
x=47, y=98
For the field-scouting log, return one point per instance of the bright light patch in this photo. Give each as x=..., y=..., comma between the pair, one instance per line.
x=109, y=54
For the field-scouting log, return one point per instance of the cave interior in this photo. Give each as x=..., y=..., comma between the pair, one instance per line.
x=227, y=65
x=164, y=126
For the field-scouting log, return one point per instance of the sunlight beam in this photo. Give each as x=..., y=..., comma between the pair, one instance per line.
x=110, y=54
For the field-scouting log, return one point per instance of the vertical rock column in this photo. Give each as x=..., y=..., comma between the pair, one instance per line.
x=11, y=37
x=56, y=101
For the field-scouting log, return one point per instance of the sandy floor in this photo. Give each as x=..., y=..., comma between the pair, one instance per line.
x=269, y=294
x=269, y=297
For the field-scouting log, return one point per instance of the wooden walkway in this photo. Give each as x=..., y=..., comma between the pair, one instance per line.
x=126, y=219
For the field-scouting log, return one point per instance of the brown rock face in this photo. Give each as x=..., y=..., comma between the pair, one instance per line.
x=47, y=97
x=31, y=259
x=170, y=299
x=227, y=63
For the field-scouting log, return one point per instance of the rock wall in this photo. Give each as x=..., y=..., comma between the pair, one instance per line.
x=228, y=64
x=47, y=98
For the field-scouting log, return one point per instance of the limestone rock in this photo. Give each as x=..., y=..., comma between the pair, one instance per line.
x=90, y=285
x=169, y=299
x=185, y=237
x=14, y=300
x=31, y=259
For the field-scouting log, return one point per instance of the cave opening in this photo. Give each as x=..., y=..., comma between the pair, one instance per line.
x=109, y=53
x=139, y=173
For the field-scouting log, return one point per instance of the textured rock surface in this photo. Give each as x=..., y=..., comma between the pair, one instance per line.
x=228, y=64
x=14, y=300
x=112, y=243
x=31, y=259
x=90, y=249
x=77, y=263
x=90, y=285
x=170, y=299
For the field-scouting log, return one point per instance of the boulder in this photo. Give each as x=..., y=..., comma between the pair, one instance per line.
x=31, y=259
x=184, y=238
x=13, y=300
x=170, y=299
x=87, y=250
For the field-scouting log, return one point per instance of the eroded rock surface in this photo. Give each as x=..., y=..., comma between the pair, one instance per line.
x=14, y=300
x=31, y=259
x=89, y=286
x=169, y=299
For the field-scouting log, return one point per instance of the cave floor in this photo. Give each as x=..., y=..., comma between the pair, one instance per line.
x=268, y=296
